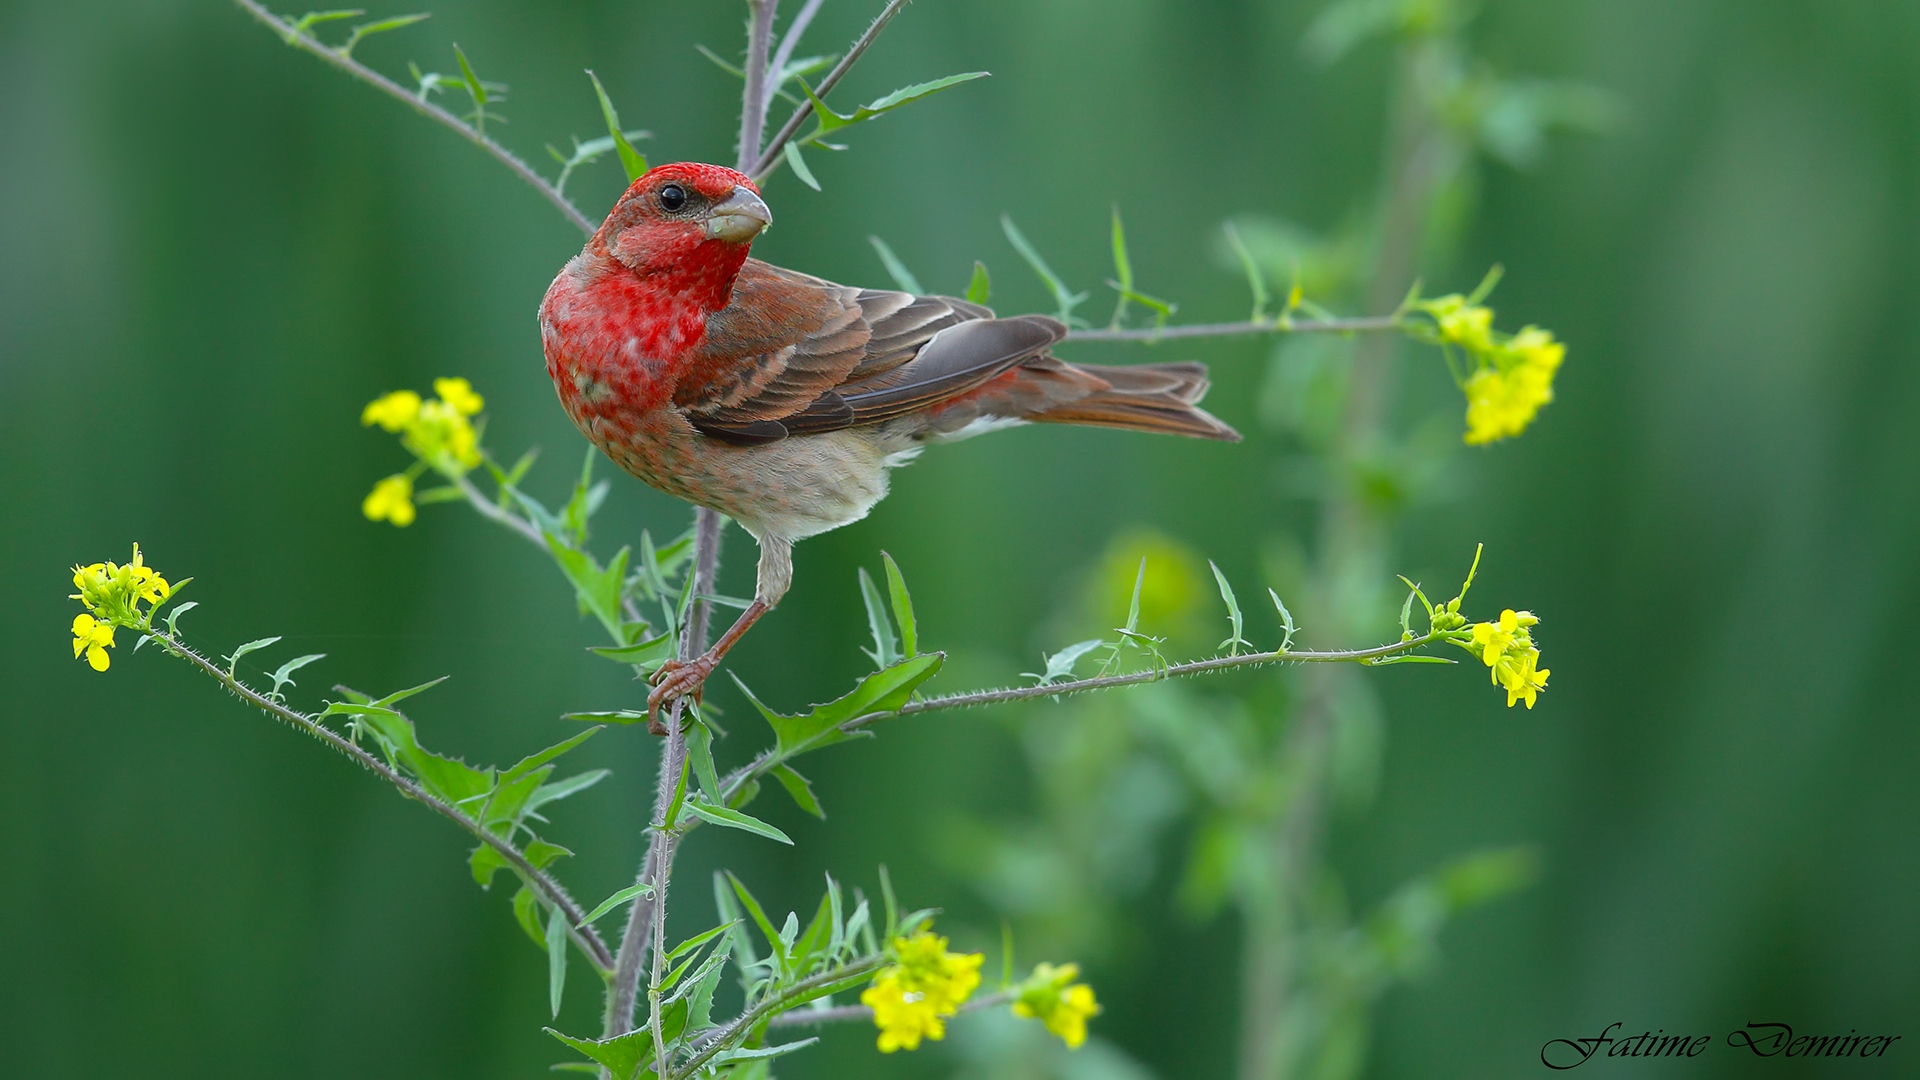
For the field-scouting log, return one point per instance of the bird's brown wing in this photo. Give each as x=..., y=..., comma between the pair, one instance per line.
x=795, y=355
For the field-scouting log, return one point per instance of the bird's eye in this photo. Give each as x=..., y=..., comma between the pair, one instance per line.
x=672, y=197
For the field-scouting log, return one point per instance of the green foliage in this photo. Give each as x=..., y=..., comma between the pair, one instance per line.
x=896, y=269
x=832, y=121
x=633, y=160
x=1064, y=299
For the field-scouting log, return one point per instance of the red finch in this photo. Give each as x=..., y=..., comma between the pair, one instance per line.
x=782, y=400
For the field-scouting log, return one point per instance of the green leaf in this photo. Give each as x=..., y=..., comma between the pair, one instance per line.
x=1286, y=621
x=474, y=86
x=366, y=30
x=698, y=940
x=233, y=662
x=560, y=789
x=902, y=606
x=526, y=911
x=896, y=269
x=1256, y=282
x=752, y=1053
x=174, y=615
x=728, y=906
x=486, y=861
x=284, y=676
x=534, y=761
x=402, y=695
x=881, y=692
x=799, y=165
x=614, y=901
x=556, y=958
x=734, y=819
x=1062, y=297
x=633, y=160
x=980, y=287
x=833, y=121
x=544, y=853
x=758, y=915
x=618, y=716
x=1060, y=664
x=1233, y=611
x=649, y=653
x=700, y=753
x=672, y=818
x=599, y=589
x=886, y=651
x=893, y=906
x=707, y=980
x=314, y=18
x=623, y=1055
x=1133, y=608
x=798, y=787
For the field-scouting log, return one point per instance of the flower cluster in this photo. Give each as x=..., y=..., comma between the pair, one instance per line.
x=438, y=431
x=911, y=997
x=1051, y=996
x=112, y=594
x=1507, y=647
x=1512, y=376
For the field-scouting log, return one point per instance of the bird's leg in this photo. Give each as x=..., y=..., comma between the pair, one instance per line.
x=677, y=679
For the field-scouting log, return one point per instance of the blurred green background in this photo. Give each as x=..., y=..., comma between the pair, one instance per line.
x=213, y=251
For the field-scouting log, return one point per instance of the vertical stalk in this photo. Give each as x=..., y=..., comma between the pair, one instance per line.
x=1351, y=547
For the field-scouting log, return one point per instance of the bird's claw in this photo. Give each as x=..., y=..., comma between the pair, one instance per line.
x=676, y=679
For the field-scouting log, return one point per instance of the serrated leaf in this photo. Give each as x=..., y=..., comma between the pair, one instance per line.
x=700, y=754
x=902, y=606
x=614, y=901
x=798, y=787
x=734, y=819
x=179, y=610
x=625, y=1056
x=560, y=789
x=556, y=959
x=1233, y=611
x=526, y=912
x=896, y=269
x=284, y=675
x=486, y=861
x=880, y=692
x=833, y=121
x=980, y=287
x=618, y=716
x=705, y=982
x=799, y=165
x=1286, y=621
x=886, y=651
x=654, y=650
x=755, y=1053
x=256, y=645
x=533, y=761
x=544, y=853
x=1065, y=299
x=698, y=940
x=632, y=160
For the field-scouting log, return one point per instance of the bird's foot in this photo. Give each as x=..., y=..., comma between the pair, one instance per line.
x=677, y=679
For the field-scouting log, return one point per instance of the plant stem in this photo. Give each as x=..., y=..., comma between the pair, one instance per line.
x=543, y=884
x=773, y=1006
x=770, y=157
x=807, y=1017
x=753, y=105
x=1297, y=326
x=308, y=43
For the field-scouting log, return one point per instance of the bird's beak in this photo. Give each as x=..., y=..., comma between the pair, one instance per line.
x=739, y=218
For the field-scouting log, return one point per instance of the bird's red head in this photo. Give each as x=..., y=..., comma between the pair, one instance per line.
x=688, y=223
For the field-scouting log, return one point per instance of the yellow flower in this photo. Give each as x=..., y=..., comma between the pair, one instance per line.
x=1469, y=326
x=1503, y=397
x=392, y=412
x=94, y=638
x=1507, y=648
x=926, y=983
x=1063, y=1008
x=459, y=394
x=390, y=500
x=1520, y=676
x=441, y=429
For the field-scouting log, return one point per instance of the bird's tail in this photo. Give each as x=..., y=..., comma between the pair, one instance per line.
x=1145, y=397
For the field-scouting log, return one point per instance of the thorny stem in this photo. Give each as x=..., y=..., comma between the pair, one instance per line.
x=753, y=102
x=308, y=43
x=769, y=759
x=772, y=1006
x=1273, y=326
x=586, y=937
x=785, y=53
x=805, y=1017
x=770, y=157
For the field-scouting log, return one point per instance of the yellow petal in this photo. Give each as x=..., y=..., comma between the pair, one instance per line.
x=97, y=657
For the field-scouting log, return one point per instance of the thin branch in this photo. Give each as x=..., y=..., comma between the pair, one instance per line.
x=1296, y=326
x=785, y=53
x=839, y=1013
x=428, y=109
x=586, y=937
x=767, y=760
x=753, y=102
x=493, y=511
x=770, y=157
x=746, y=1020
